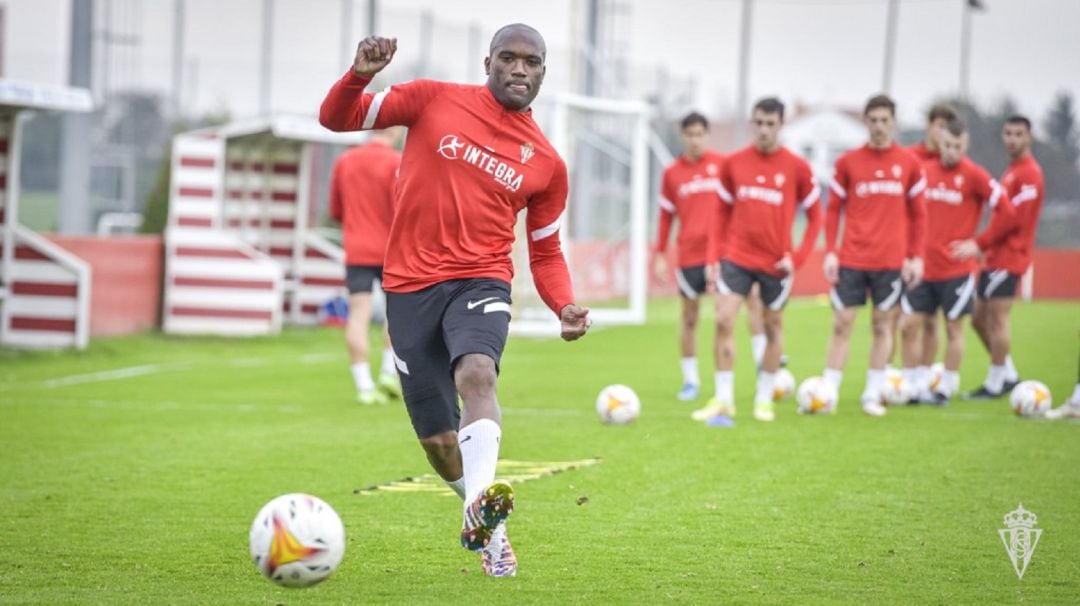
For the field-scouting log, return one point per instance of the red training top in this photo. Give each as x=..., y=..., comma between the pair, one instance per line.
x=1023, y=183
x=362, y=200
x=760, y=193
x=688, y=191
x=469, y=166
x=955, y=198
x=880, y=193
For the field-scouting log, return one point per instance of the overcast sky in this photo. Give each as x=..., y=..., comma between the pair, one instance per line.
x=822, y=52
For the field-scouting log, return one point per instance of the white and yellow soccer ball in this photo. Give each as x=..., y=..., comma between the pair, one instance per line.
x=816, y=396
x=1030, y=399
x=297, y=540
x=618, y=405
x=896, y=390
x=783, y=385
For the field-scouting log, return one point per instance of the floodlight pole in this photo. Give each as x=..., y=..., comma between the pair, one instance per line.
x=74, y=215
x=348, y=52
x=265, y=56
x=890, y=46
x=742, y=92
x=178, y=58
x=965, y=50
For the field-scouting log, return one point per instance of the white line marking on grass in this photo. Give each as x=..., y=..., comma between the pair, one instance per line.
x=113, y=375
x=167, y=405
x=319, y=358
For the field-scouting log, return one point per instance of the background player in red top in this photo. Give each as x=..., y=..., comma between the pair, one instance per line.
x=927, y=151
x=362, y=199
x=956, y=192
x=1006, y=260
x=878, y=188
x=688, y=193
x=761, y=188
x=474, y=158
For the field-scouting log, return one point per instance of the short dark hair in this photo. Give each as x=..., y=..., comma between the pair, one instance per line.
x=880, y=101
x=694, y=118
x=517, y=26
x=956, y=127
x=941, y=111
x=1018, y=119
x=770, y=105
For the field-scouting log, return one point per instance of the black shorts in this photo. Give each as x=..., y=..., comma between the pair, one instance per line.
x=431, y=329
x=997, y=283
x=850, y=291
x=361, y=278
x=691, y=281
x=954, y=296
x=739, y=280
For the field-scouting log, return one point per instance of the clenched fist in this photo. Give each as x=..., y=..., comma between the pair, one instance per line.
x=373, y=54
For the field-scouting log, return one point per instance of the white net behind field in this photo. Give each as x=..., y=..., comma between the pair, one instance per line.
x=605, y=146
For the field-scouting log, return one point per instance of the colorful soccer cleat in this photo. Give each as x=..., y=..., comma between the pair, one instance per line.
x=485, y=513
x=713, y=408
x=498, y=557
x=390, y=384
x=368, y=398
x=763, y=411
x=689, y=391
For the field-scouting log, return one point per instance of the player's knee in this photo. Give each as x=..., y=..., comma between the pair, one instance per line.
x=442, y=446
x=882, y=327
x=475, y=375
x=842, y=327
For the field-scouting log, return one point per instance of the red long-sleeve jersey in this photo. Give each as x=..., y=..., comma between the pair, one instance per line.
x=362, y=200
x=923, y=153
x=688, y=192
x=760, y=193
x=1023, y=183
x=955, y=198
x=468, y=167
x=880, y=194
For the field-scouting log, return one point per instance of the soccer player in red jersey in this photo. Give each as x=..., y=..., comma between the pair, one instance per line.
x=937, y=120
x=473, y=159
x=688, y=193
x=927, y=151
x=362, y=199
x=878, y=188
x=1007, y=260
x=761, y=188
x=957, y=190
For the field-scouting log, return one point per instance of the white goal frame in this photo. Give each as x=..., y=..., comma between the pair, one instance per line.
x=538, y=321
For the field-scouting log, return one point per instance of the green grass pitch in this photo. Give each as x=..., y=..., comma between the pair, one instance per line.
x=137, y=486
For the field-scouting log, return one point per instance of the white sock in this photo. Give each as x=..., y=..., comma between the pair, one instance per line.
x=361, y=374
x=950, y=381
x=388, y=366
x=874, y=380
x=911, y=377
x=1076, y=394
x=834, y=377
x=479, y=444
x=725, y=386
x=1010, y=369
x=922, y=379
x=765, y=382
x=757, y=346
x=995, y=379
x=458, y=486
x=690, y=370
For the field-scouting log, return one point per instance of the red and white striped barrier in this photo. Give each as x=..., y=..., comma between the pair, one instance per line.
x=250, y=183
x=44, y=290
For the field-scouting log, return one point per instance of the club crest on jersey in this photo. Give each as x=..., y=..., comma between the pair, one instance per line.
x=897, y=171
x=711, y=169
x=880, y=174
x=760, y=179
x=779, y=179
x=958, y=180
x=527, y=152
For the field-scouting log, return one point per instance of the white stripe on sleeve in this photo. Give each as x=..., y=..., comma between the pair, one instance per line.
x=543, y=232
x=1027, y=194
x=666, y=205
x=811, y=198
x=725, y=195
x=837, y=189
x=373, y=111
x=917, y=188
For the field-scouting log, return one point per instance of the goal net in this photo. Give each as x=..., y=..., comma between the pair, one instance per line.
x=605, y=144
